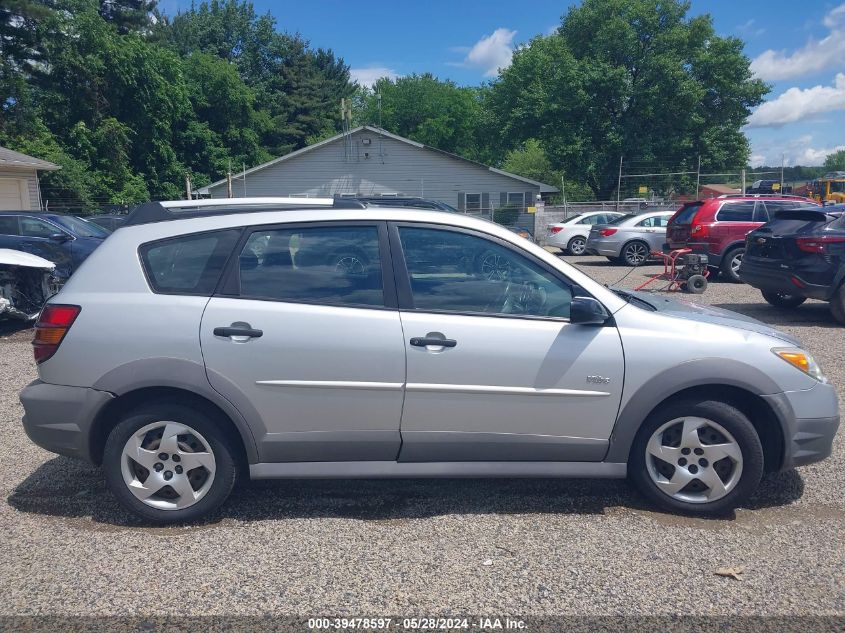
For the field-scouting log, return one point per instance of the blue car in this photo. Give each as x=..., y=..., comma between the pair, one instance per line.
x=62, y=239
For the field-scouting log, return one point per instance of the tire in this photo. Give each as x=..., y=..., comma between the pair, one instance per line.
x=197, y=439
x=837, y=305
x=696, y=284
x=577, y=245
x=783, y=300
x=730, y=264
x=635, y=253
x=722, y=485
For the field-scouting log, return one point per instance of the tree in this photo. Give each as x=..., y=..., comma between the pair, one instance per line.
x=633, y=78
x=835, y=161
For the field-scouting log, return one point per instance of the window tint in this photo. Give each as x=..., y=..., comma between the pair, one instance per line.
x=620, y=219
x=654, y=221
x=329, y=265
x=458, y=272
x=687, y=213
x=33, y=227
x=593, y=219
x=9, y=225
x=81, y=228
x=190, y=264
x=740, y=211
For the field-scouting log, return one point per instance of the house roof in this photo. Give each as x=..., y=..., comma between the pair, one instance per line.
x=544, y=188
x=10, y=158
x=721, y=188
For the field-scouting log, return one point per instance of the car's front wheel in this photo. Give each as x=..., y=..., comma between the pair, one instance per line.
x=169, y=463
x=697, y=457
x=783, y=300
x=837, y=305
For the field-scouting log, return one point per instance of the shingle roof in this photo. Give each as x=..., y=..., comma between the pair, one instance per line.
x=10, y=158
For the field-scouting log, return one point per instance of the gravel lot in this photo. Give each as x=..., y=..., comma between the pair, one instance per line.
x=523, y=547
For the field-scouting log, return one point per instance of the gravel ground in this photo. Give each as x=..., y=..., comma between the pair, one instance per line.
x=525, y=547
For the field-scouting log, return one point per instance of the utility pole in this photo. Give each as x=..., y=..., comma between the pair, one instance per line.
x=743, y=180
x=619, y=184
x=187, y=186
x=229, y=193
x=378, y=102
x=698, y=178
x=782, y=158
x=243, y=175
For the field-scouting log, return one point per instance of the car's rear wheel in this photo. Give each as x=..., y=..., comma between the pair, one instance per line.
x=783, y=300
x=837, y=305
x=730, y=264
x=577, y=245
x=635, y=253
x=697, y=457
x=169, y=463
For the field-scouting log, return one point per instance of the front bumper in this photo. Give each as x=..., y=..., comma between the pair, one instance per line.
x=810, y=419
x=59, y=418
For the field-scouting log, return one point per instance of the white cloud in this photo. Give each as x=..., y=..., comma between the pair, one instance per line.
x=796, y=104
x=492, y=52
x=368, y=75
x=796, y=151
x=815, y=56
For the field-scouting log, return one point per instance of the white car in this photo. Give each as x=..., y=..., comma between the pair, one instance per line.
x=26, y=282
x=571, y=235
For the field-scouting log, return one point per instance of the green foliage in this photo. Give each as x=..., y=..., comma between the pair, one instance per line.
x=506, y=215
x=835, y=161
x=635, y=78
x=531, y=161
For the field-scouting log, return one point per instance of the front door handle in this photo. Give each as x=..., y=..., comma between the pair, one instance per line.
x=425, y=341
x=238, y=330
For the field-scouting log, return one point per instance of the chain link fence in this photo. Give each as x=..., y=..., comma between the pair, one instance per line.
x=554, y=214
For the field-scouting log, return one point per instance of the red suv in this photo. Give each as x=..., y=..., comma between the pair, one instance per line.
x=717, y=227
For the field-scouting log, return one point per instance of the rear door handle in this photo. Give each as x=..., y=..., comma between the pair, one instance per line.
x=425, y=341
x=238, y=331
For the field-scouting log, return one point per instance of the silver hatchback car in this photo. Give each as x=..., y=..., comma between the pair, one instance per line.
x=298, y=339
x=630, y=239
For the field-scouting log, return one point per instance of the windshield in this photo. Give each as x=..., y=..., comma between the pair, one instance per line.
x=80, y=227
x=686, y=214
x=837, y=186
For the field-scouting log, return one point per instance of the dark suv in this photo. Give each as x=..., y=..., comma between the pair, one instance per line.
x=62, y=239
x=717, y=227
x=799, y=255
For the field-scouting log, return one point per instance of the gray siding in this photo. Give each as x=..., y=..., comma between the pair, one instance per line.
x=384, y=166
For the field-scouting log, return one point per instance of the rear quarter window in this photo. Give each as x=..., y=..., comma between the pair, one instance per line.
x=188, y=264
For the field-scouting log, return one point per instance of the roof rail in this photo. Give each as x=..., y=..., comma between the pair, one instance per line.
x=150, y=212
x=763, y=195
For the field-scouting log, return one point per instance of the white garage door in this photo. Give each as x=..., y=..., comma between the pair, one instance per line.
x=14, y=194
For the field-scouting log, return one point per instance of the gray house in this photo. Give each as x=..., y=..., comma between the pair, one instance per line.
x=19, y=180
x=369, y=161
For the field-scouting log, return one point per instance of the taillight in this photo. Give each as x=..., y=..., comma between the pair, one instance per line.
x=607, y=232
x=700, y=231
x=818, y=244
x=555, y=229
x=50, y=330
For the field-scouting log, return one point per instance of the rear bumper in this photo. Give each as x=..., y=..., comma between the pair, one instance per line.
x=608, y=248
x=59, y=418
x=773, y=279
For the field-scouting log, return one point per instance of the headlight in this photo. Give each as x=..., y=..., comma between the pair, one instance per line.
x=802, y=360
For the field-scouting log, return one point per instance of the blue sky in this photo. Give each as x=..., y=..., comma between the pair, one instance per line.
x=797, y=47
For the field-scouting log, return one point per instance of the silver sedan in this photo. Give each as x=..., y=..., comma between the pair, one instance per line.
x=631, y=238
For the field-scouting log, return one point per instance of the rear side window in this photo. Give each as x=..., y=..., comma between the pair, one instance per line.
x=189, y=264
x=332, y=265
x=740, y=211
x=687, y=213
x=654, y=221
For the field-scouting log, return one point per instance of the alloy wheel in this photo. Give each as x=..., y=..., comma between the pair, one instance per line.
x=736, y=261
x=694, y=460
x=577, y=245
x=635, y=253
x=168, y=465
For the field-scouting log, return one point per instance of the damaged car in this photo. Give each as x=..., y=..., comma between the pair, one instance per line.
x=26, y=282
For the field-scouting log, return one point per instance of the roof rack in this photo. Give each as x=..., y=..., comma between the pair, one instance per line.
x=150, y=212
x=763, y=195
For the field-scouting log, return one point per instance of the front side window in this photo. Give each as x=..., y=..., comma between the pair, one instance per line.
x=333, y=265
x=33, y=227
x=451, y=271
x=189, y=264
x=740, y=211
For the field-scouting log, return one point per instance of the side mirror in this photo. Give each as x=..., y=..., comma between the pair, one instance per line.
x=587, y=311
x=59, y=237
